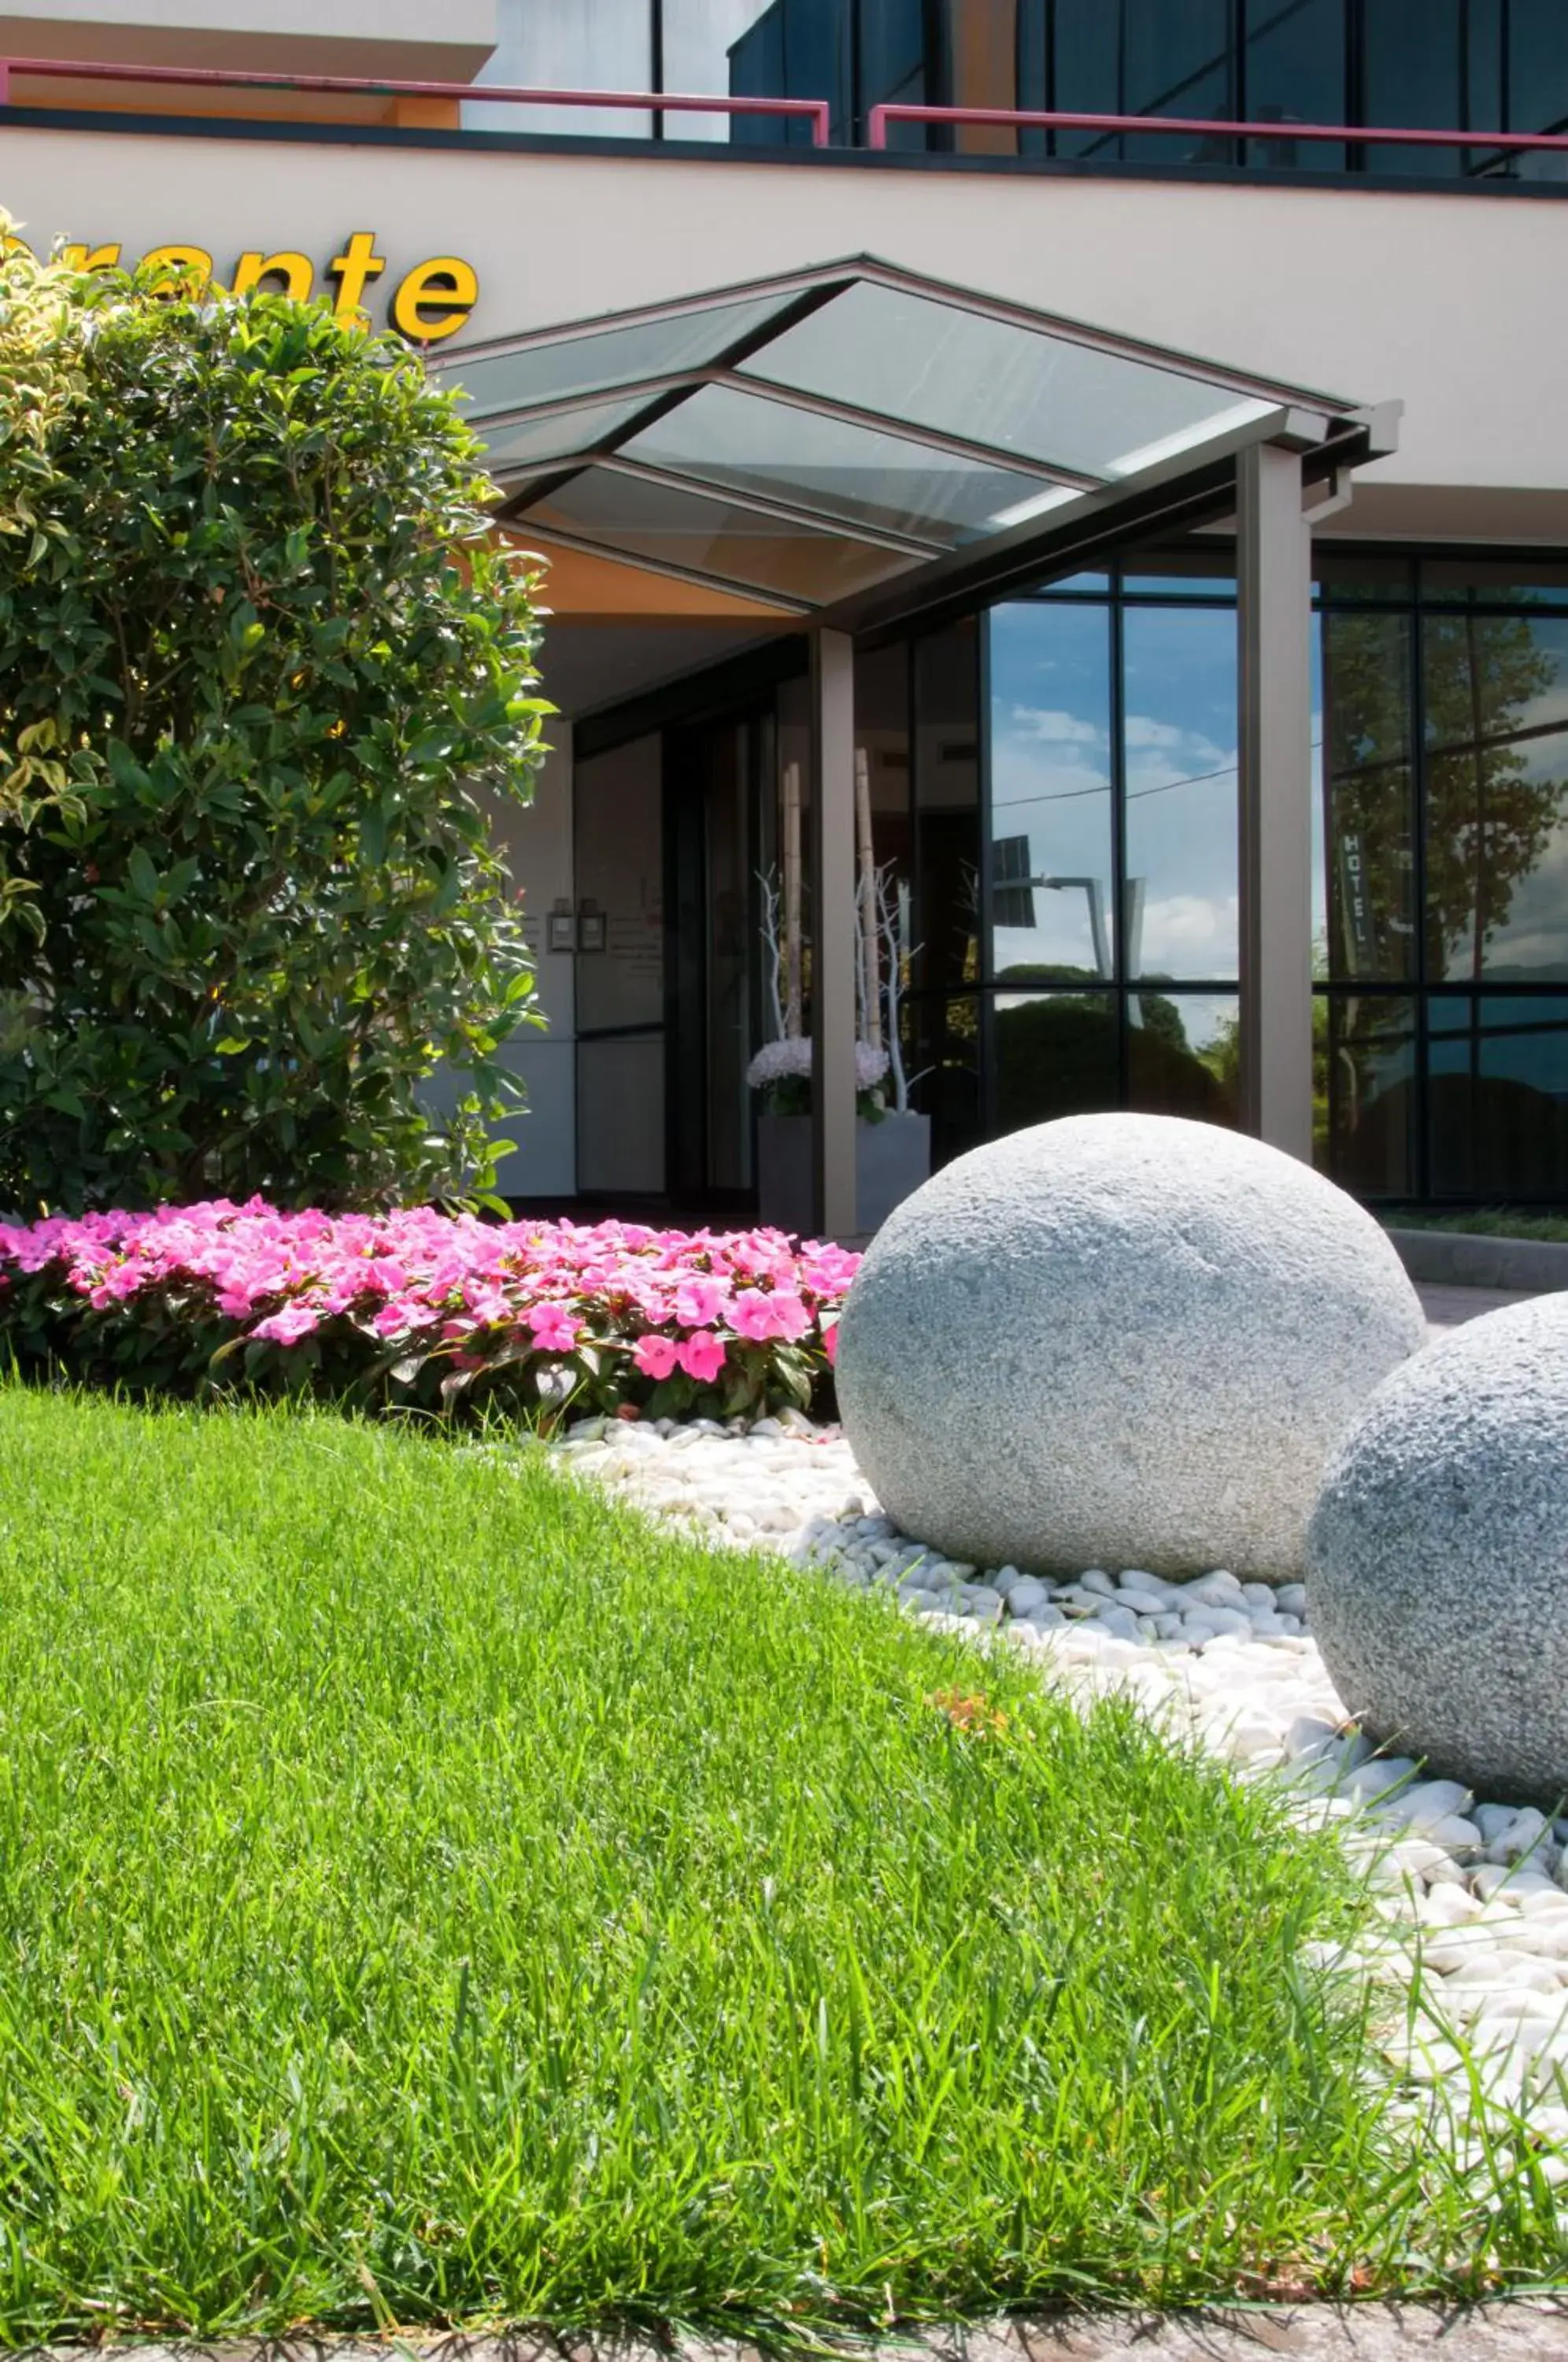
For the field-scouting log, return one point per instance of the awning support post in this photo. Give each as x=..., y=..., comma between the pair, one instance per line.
x=834, y=949
x=1274, y=553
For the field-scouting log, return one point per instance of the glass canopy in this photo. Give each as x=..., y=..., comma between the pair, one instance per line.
x=808, y=436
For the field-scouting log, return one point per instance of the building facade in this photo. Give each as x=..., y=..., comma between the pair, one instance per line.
x=1061, y=567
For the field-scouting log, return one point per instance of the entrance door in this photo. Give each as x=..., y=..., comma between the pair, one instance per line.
x=709, y=777
x=619, y=864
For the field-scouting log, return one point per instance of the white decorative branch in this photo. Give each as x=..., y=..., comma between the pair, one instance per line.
x=775, y=957
x=893, y=926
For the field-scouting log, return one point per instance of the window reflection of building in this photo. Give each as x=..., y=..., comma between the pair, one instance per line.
x=1113, y=857
x=1441, y=731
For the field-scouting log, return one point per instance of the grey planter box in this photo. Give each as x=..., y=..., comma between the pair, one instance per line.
x=891, y=1159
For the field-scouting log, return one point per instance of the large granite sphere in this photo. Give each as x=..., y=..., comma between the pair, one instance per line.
x=1437, y=1556
x=1117, y=1340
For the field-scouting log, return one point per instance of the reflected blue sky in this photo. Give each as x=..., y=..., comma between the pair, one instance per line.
x=1052, y=769
x=1051, y=777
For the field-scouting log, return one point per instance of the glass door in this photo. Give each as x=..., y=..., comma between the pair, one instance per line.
x=711, y=773
x=619, y=860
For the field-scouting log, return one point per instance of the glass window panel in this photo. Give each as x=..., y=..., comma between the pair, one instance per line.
x=1483, y=70
x=1537, y=82
x=947, y=808
x=560, y=435
x=751, y=444
x=1367, y=882
x=1193, y=578
x=697, y=39
x=1467, y=581
x=893, y=62
x=1086, y=74
x=796, y=49
x=1410, y=79
x=942, y=1047
x=1495, y=688
x=1363, y=1093
x=1294, y=71
x=678, y=528
x=594, y=45
x=1178, y=61
x=618, y=822
x=1497, y=1095
x=1180, y=736
x=588, y=364
x=1184, y=1054
x=1056, y=1054
x=1053, y=903
x=1354, y=580
x=959, y=373
x=1075, y=586
x=882, y=757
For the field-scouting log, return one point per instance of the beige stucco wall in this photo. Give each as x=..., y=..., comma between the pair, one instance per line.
x=1445, y=301
x=405, y=37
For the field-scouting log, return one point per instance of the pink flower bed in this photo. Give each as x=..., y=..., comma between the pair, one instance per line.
x=424, y=1309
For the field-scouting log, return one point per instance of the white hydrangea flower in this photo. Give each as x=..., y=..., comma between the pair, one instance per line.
x=776, y=1062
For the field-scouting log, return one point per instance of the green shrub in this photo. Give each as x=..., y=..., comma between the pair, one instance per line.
x=1057, y=1057
x=257, y=649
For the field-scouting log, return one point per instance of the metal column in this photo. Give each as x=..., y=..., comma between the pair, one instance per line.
x=833, y=933
x=1274, y=553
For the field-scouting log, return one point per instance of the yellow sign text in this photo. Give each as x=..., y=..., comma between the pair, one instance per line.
x=430, y=302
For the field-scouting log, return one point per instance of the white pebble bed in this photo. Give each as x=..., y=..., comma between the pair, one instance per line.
x=1475, y=1893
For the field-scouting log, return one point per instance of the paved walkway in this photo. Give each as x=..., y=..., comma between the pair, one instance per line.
x=1447, y=1307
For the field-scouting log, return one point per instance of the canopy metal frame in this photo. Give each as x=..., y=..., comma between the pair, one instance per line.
x=645, y=396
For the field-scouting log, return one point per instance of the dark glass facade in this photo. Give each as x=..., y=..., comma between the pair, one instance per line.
x=1481, y=65
x=1440, y=900
x=1050, y=791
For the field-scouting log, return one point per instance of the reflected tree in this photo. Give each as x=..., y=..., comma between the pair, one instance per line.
x=1488, y=822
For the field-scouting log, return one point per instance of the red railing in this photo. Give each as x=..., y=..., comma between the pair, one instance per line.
x=814, y=110
x=661, y=102
x=1361, y=134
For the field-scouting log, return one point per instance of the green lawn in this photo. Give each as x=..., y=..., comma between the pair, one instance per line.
x=428, y=1894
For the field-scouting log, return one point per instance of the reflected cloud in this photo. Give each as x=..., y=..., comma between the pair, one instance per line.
x=1190, y=934
x=1033, y=721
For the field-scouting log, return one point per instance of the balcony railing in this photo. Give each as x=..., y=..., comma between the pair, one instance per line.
x=1358, y=135
x=1491, y=145
x=659, y=102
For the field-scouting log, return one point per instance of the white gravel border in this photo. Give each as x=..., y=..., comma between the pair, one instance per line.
x=1474, y=1895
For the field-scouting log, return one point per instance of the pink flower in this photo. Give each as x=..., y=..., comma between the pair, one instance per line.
x=698, y=1302
x=702, y=1356
x=287, y=1326
x=791, y=1318
x=655, y=1356
x=554, y=1331
x=752, y=1313
x=829, y=1343
x=666, y=1299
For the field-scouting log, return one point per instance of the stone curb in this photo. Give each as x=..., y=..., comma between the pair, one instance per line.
x=1460, y=1260
x=1524, y=2329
